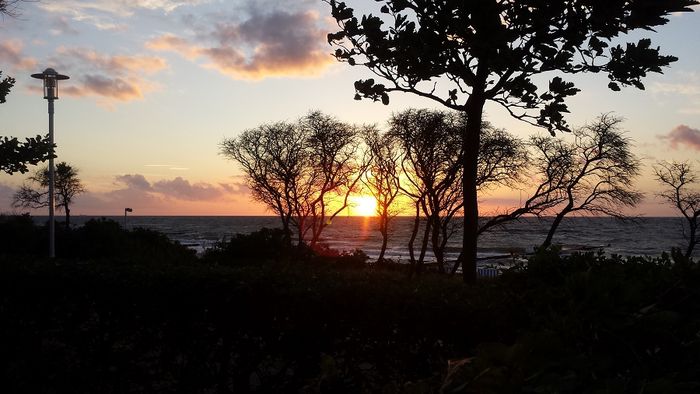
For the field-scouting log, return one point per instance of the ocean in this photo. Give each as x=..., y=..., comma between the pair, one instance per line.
x=642, y=236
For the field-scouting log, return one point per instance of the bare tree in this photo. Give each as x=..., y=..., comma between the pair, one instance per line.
x=273, y=157
x=431, y=154
x=332, y=172
x=431, y=144
x=595, y=172
x=381, y=178
x=303, y=171
x=677, y=179
x=9, y=8
x=66, y=183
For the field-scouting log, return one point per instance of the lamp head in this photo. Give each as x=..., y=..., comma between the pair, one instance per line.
x=50, y=78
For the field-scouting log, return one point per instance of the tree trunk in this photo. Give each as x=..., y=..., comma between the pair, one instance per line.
x=436, y=242
x=384, y=230
x=691, y=241
x=414, y=234
x=470, y=147
x=385, y=241
x=424, y=245
x=553, y=229
x=67, y=216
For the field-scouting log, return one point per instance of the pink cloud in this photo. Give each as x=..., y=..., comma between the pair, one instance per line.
x=683, y=135
x=178, y=188
x=182, y=189
x=277, y=43
x=136, y=181
x=11, y=54
x=110, y=77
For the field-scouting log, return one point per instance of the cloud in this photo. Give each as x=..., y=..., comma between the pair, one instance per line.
x=11, y=54
x=687, y=90
x=182, y=189
x=683, y=135
x=111, y=77
x=136, y=181
x=62, y=25
x=177, y=188
x=107, y=14
x=276, y=43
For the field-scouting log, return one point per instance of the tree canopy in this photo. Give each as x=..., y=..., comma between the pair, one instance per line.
x=495, y=48
x=677, y=180
x=462, y=54
x=67, y=185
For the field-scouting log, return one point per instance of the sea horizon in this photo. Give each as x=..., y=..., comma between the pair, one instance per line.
x=645, y=236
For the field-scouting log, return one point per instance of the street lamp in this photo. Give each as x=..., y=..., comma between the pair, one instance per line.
x=51, y=78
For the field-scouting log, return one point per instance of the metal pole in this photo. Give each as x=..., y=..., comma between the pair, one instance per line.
x=52, y=198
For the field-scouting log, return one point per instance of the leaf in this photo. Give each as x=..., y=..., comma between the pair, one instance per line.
x=614, y=86
x=385, y=99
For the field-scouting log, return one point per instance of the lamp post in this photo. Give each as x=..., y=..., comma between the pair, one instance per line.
x=51, y=78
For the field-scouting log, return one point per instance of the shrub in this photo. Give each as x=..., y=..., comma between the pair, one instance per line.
x=262, y=245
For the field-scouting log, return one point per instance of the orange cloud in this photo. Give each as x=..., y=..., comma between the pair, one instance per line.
x=11, y=54
x=278, y=43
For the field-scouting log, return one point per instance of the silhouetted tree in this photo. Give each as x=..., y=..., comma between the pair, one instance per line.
x=67, y=185
x=333, y=171
x=9, y=7
x=677, y=179
x=381, y=178
x=596, y=171
x=432, y=163
x=6, y=85
x=431, y=156
x=15, y=156
x=490, y=51
x=300, y=170
x=273, y=157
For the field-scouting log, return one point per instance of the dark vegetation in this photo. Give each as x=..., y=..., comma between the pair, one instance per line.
x=130, y=311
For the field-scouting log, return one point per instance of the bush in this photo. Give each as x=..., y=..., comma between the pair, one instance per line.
x=593, y=323
x=18, y=234
x=262, y=245
x=100, y=239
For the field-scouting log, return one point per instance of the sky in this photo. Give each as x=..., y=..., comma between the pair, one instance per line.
x=156, y=85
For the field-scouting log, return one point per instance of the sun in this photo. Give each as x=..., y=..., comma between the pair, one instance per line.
x=364, y=206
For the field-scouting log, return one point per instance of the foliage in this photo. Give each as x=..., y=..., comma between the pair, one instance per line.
x=584, y=323
x=677, y=179
x=462, y=54
x=431, y=148
x=15, y=156
x=96, y=240
x=265, y=244
x=7, y=83
x=382, y=179
x=298, y=169
x=594, y=173
x=9, y=8
x=18, y=234
x=67, y=185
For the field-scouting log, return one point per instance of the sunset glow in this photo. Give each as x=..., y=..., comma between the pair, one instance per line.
x=155, y=86
x=363, y=206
